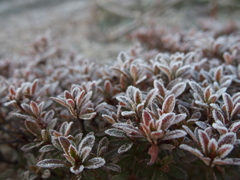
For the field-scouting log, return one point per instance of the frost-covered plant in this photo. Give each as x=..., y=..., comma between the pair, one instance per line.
x=171, y=112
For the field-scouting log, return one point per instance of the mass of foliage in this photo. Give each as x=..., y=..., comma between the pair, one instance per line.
x=167, y=109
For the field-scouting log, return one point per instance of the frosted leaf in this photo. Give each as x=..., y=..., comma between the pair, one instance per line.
x=94, y=163
x=112, y=167
x=125, y=147
x=115, y=132
x=168, y=104
x=47, y=148
x=224, y=150
x=203, y=139
x=228, y=138
x=77, y=170
x=51, y=163
x=88, y=140
x=191, y=150
x=174, y=134
x=84, y=153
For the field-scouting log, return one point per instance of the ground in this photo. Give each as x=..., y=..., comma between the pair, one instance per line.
x=97, y=28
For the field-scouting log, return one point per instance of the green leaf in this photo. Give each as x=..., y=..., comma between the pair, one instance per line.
x=159, y=175
x=121, y=176
x=112, y=167
x=103, y=174
x=88, y=116
x=126, y=162
x=31, y=145
x=51, y=163
x=47, y=148
x=177, y=172
x=125, y=147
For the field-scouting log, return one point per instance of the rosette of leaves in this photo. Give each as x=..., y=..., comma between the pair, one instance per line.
x=229, y=109
x=223, y=126
x=215, y=77
x=153, y=128
x=210, y=150
x=133, y=103
x=38, y=122
x=79, y=103
x=172, y=67
x=176, y=88
x=131, y=73
x=77, y=156
x=26, y=91
x=205, y=99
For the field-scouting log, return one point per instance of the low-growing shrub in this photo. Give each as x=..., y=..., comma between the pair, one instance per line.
x=168, y=111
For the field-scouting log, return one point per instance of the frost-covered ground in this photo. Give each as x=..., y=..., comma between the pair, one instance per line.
x=83, y=24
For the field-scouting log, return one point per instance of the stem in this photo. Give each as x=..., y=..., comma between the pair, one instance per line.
x=81, y=121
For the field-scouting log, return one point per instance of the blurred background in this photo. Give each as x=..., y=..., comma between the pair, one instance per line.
x=100, y=29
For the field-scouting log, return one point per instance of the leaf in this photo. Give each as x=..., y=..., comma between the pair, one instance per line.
x=127, y=128
x=88, y=140
x=153, y=152
x=220, y=129
x=197, y=89
x=77, y=170
x=189, y=131
x=235, y=127
x=88, y=116
x=178, y=89
x=31, y=146
x=149, y=97
x=177, y=172
x=146, y=117
x=179, y=118
x=52, y=123
x=166, y=70
x=60, y=101
x=229, y=161
x=137, y=96
x=84, y=153
x=34, y=108
x=94, y=163
x=191, y=150
x=125, y=147
x=65, y=143
x=229, y=138
x=108, y=118
x=212, y=146
x=125, y=101
x=204, y=140
x=51, y=163
x=72, y=151
x=33, y=86
x=182, y=70
x=218, y=116
x=228, y=102
x=159, y=175
x=33, y=127
x=65, y=128
x=235, y=110
x=157, y=134
x=47, y=148
x=128, y=113
x=112, y=167
x=160, y=87
x=102, y=146
x=168, y=104
x=174, y=134
x=167, y=120
x=115, y=132
x=121, y=176
x=224, y=150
